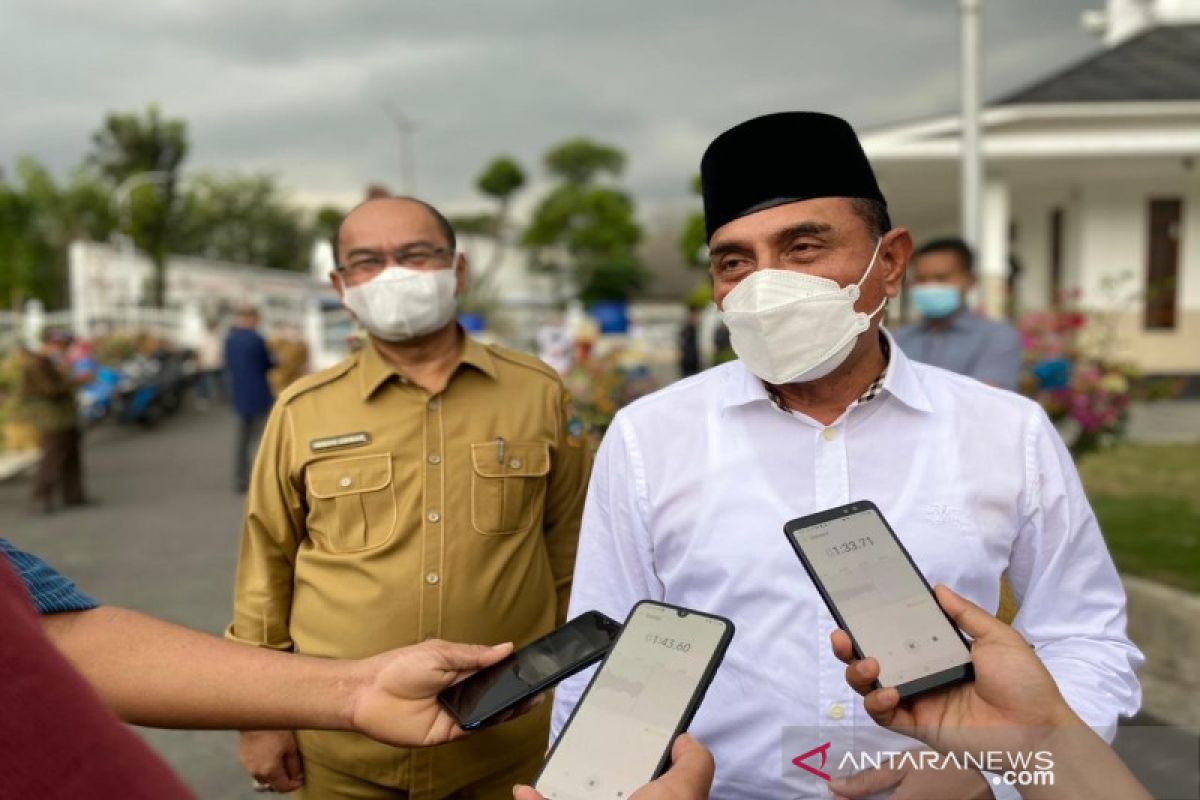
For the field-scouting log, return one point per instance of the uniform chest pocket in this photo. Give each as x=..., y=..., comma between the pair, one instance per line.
x=351, y=503
x=508, y=485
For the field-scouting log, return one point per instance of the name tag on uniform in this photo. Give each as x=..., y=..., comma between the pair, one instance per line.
x=338, y=442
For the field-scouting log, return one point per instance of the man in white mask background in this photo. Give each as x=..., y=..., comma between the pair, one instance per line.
x=693, y=484
x=429, y=486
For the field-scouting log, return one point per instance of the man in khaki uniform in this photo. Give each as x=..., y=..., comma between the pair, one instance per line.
x=45, y=398
x=427, y=486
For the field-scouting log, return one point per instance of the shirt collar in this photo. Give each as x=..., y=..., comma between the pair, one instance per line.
x=902, y=381
x=374, y=370
x=898, y=378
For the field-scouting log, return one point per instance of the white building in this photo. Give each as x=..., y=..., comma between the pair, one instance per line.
x=1091, y=184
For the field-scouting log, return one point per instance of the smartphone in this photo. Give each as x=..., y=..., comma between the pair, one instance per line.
x=495, y=690
x=878, y=596
x=644, y=695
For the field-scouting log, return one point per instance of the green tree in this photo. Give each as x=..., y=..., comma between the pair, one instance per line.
x=128, y=145
x=693, y=238
x=38, y=220
x=500, y=180
x=245, y=219
x=588, y=226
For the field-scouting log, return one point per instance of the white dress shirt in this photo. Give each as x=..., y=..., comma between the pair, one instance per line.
x=692, y=486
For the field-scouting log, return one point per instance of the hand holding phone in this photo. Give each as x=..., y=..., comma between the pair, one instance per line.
x=879, y=597
x=489, y=694
x=645, y=693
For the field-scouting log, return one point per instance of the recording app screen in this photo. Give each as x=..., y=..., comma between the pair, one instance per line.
x=584, y=638
x=624, y=724
x=882, y=599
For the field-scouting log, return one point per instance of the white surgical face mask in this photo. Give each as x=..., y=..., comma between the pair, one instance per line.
x=790, y=327
x=401, y=303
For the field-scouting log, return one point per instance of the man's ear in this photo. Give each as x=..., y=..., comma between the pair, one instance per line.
x=462, y=274
x=894, y=256
x=336, y=279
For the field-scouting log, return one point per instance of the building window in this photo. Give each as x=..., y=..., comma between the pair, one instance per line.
x=1056, y=257
x=1162, y=263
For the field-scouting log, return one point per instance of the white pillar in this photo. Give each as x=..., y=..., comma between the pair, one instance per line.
x=314, y=334
x=35, y=322
x=992, y=261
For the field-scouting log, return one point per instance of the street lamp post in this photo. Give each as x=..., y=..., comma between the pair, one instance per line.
x=405, y=128
x=971, y=170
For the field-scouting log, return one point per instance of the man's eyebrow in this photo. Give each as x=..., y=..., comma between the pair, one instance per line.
x=779, y=237
x=728, y=247
x=371, y=251
x=802, y=229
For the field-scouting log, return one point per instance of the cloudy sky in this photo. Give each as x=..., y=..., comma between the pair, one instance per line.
x=299, y=88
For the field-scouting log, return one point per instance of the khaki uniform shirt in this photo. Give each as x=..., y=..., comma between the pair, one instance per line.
x=44, y=396
x=379, y=516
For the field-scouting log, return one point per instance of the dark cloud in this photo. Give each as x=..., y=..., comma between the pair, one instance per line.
x=298, y=88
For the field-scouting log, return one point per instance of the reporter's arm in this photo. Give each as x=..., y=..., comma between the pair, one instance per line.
x=1013, y=704
x=164, y=675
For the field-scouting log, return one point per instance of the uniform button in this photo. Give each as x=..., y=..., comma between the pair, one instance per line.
x=830, y=434
x=432, y=578
x=434, y=404
x=433, y=516
x=837, y=711
x=345, y=481
x=515, y=463
x=434, y=458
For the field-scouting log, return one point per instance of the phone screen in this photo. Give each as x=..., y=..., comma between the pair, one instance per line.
x=629, y=715
x=531, y=669
x=882, y=599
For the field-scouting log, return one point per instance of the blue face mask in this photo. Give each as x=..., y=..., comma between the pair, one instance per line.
x=936, y=300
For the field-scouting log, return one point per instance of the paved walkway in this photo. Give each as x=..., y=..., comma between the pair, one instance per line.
x=165, y=539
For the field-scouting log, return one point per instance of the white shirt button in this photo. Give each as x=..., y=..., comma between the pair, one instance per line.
x=434, y=458
x=837, y=711
x=515, y=463
x=830, y=434
x=345, y=481
x=433, y=516
x=432, y=578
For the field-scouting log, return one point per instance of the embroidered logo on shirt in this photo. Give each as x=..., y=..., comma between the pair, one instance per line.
x=949, y=516
x=336, y=442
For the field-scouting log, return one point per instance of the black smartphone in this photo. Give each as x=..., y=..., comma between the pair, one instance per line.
x=878, y=596
x=644, y=695
x=533, y=669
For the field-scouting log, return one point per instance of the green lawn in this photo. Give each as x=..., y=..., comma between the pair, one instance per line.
x=1148, y=501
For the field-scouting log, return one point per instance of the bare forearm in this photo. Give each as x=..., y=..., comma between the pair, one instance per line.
x=164, y=675
x=1085, y=766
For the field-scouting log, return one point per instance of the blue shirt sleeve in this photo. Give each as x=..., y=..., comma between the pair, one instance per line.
x=51, y=591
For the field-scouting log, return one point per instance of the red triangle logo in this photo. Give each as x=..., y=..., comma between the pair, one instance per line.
x=800, y=759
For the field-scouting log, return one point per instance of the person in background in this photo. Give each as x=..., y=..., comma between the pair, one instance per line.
x=210, y=363
x=950, y=335
x=247, y=361
x=689, y=343
x=291, y=358
x=45, y=398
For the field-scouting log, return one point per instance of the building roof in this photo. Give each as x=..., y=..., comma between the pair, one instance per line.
x=1161, y=64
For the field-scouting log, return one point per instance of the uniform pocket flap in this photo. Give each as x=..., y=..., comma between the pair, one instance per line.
x=349, y=475
x=512, y=460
